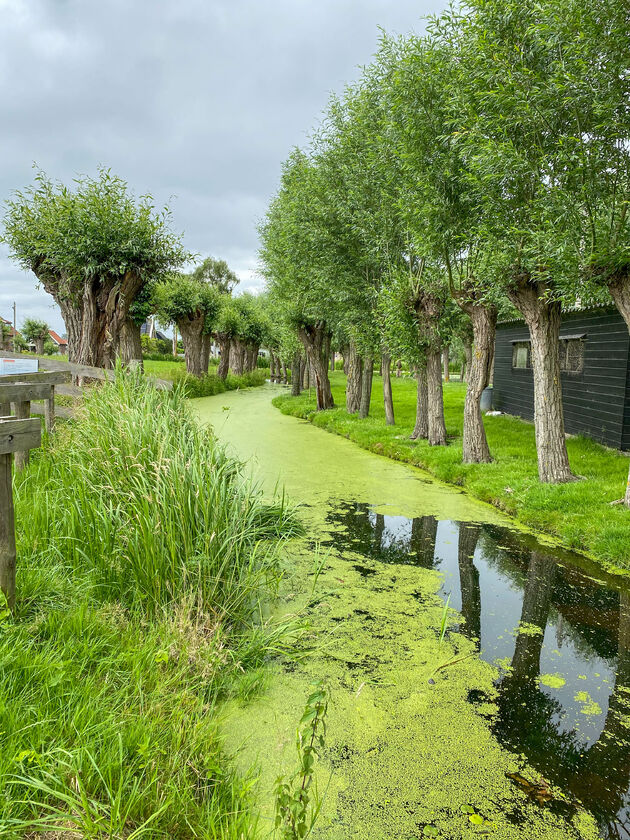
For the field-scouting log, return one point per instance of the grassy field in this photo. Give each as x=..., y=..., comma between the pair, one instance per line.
x=579, y=514
x=143, y=560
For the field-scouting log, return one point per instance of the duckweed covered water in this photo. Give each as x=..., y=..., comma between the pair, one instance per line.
x=539, y=690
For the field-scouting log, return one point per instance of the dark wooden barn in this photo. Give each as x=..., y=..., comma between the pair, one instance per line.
x=595, y=362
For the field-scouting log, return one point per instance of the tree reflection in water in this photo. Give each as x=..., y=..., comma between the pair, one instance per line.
x=494, y=572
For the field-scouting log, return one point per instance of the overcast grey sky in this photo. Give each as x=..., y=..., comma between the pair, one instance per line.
x=196, y=101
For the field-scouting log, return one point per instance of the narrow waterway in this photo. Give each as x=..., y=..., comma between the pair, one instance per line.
x=536, y=688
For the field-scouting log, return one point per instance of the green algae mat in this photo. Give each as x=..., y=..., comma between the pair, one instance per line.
x=514, y=725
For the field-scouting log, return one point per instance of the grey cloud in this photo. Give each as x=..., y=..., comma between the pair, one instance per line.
x=197, y=102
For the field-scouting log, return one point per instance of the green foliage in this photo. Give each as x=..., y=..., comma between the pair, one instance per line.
x=143, y=556
x=180, y=298
x=34, y=330
x=216, y=273
x=93, y=231
x=297, y=800
x=209, y=385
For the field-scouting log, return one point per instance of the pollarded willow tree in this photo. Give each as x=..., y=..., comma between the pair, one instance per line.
x=93, y=247
x=295, y=241
x=443, y=214
x=35, y=331
x=508, y=125
x=194, y=306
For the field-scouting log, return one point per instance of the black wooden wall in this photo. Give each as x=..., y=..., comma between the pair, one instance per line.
x=597, y=400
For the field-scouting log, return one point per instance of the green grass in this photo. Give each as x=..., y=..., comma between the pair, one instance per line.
x=143, y=559
x=578, y=514
x=210, y=384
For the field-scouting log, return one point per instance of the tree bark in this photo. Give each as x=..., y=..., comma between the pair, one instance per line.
x=39, y=346
x=130, y=345
x=437, y=426
x=285, y=378
x=446, y=361
x=196, y=344
x=237, y=357
x=316, y=340
x=353, y=384
x=296, y=375
x=398, y=369
x=175, y=348
x=543, y=320
x=620, y=291
x=332, y=361
x=366, y=386
x=484, y=320
x=421, y=429
x=468, y=362
x=95, y=318
x=306, y=379
x=386, y=364
x=225, y=342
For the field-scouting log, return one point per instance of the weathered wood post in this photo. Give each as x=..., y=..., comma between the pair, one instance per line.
x=15, y=436
x=22, y=411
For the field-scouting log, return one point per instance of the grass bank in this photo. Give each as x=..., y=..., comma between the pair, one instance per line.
x=209, y=385
x=143, y=560
x=579, y=514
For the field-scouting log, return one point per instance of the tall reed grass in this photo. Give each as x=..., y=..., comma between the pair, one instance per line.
x=143, y=559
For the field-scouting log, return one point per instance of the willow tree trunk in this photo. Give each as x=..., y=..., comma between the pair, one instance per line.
x=484, y=320
x=130, y=345
x=175, y=350
x=332, y=361
x=285, y=378
x=196, y=345
x=306, y=380
x=366, y=386
x=316, y=342
x=435, y=399
x=468, y=362
x=39, y=346
x=353, y=384
x=620, y=291
x=296, y=375
x=237, y=357
x=343, y=351
x=224, y=356
x=398, y=369
x=446, y=362
x=386, y=364
x=542, y=317
x=421, y=429
x=94, y=318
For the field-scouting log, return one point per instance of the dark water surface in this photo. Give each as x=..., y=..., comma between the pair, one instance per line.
x=564, y=690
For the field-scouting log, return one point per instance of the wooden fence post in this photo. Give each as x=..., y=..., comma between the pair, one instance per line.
x=7, y=530
x=22, y=411
x=49, y=411
x=15, y=436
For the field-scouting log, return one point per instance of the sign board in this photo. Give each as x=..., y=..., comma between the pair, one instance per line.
x=12, y=366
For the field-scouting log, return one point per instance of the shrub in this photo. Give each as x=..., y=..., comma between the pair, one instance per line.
x=209, y=385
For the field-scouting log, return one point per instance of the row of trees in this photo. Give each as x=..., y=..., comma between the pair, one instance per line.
x=473, y=171
x=110, y=261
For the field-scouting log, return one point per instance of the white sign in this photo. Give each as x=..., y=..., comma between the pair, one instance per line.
x=8, y=366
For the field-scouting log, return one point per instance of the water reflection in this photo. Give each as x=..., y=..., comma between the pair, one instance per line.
x=559, y=631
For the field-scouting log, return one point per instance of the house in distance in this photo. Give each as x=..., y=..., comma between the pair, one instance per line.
x=595, y=371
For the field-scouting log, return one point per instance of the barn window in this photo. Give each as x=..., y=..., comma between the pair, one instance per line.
x=521, y=356
x=572, y=353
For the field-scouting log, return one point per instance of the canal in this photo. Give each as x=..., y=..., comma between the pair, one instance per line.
x=516, y=724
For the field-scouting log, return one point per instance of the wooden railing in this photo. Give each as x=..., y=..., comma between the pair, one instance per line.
x=72, y=370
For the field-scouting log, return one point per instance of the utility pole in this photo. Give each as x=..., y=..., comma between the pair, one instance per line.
x=14, y=326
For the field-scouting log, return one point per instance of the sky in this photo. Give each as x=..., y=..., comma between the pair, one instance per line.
x=196, y=102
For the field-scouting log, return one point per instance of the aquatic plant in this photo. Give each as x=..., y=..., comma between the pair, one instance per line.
x=297, y=800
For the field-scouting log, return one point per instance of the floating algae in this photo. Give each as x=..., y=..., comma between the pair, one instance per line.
x=552, y=680
x=404, y=754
